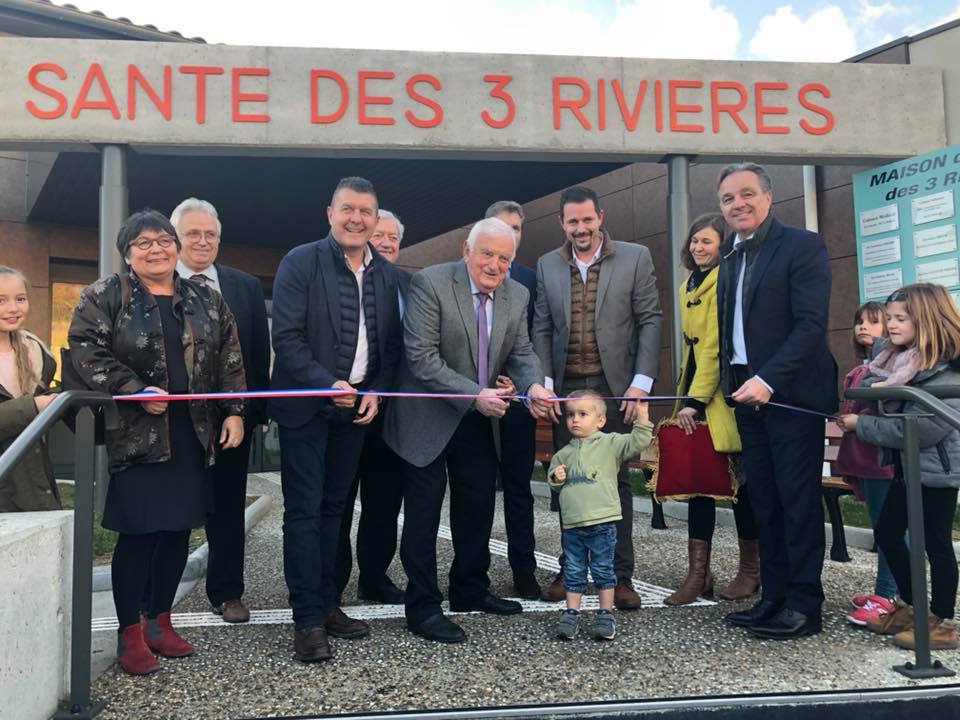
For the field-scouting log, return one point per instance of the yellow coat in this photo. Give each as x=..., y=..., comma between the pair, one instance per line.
x=698, y=319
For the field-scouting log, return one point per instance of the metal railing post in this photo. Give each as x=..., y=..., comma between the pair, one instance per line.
x=80, y=706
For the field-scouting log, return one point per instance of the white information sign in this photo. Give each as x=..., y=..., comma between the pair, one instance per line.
x=881, y=251
x=933, y=241
x=882, y=283
x=878, y=220
x=941, y=272
x=938, y=206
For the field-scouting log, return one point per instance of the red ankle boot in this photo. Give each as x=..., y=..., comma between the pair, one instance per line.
x=164, y=640
x=132, y=652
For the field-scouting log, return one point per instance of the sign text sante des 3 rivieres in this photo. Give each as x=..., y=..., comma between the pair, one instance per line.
x=65, y=92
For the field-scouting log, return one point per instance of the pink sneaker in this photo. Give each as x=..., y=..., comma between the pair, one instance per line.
x=873, y=607
x=860, y=599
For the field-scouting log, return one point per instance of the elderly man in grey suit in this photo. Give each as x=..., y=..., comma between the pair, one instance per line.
x=465, y=323
x=597, y=325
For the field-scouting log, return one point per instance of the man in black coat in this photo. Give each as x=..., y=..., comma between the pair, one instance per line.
x=381, y=495
x=336, y=323
x=518, y=439
x=773, y=300
x=198, y=227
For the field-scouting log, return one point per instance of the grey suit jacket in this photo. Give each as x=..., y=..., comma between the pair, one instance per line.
x=628, y=317
x=440, y=338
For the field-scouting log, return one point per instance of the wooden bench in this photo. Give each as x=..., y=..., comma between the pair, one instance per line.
x=832, y=486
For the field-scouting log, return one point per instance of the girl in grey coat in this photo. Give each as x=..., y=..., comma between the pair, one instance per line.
x=923, y=351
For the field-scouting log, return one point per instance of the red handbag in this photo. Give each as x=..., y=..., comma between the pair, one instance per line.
x=688, y=466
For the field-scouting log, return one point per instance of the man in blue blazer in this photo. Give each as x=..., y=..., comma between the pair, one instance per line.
x=198, y=227
x=518, y=439
x=336, y=323
x=773, y=303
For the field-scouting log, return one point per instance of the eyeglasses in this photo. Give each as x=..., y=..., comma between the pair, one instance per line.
x=208, y=235
x=145, y=243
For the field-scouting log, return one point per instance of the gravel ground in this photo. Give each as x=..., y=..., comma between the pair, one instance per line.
x=249, y=671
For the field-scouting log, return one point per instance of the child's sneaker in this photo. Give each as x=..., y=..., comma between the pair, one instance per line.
x=604, y=625
x=569, y=624
x=870, y=610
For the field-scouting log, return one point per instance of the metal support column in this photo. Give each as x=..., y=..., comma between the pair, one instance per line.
x=810, y=212
x=678, y=204
x=113, y=204
x=922, y=668
x=114, y=208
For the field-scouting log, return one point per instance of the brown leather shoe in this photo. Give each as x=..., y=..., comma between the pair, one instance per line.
x=625, y=597
x=346, y=628
x=310, y=644
x=555, y=591
x=233, y=611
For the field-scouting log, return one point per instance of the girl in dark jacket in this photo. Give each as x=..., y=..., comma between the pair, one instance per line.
x=923, y=326
x=26, y=369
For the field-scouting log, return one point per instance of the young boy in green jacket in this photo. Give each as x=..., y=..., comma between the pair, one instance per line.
x=584, y=472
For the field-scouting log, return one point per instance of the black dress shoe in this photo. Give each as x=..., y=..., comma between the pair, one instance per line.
x=488, y=603
x=787, y=625
x=526, y=586
x=439, y=629
x=383, y=592
x=762, y=611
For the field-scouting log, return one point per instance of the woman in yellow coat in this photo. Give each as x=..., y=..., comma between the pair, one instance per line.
x=700, y=378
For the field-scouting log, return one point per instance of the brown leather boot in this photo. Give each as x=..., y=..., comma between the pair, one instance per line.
x=699, y=579
x=747, y=580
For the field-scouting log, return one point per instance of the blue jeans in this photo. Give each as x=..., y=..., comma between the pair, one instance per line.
x=591, y=546
x=875, y=492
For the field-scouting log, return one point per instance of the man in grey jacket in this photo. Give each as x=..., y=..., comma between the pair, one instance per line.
x=597, y=325
x=464, y=324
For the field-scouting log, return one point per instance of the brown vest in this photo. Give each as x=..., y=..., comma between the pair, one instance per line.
x=583, y=354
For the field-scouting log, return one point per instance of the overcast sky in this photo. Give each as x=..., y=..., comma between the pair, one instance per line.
x=805, y=30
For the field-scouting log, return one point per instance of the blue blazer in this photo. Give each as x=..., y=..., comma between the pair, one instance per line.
x=306, y=328
x=785, y=313
x=243, y=294
x=528, y=278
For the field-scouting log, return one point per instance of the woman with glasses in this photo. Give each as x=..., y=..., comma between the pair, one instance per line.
x=149, y=330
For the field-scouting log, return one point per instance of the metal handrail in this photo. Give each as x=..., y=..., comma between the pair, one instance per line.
x=79, y=706
x=931, y=403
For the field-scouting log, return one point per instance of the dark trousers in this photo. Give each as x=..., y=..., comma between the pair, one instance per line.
x=783, y=461
x=702, y=517
x=148, y=565
x=518, y=438
x=939, y=505
x=623, y=557
x=318, y=462
x=470, y=461
x=381, y=495
x=225, y=525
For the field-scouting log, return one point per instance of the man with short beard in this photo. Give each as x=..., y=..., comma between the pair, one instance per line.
x=597, y=326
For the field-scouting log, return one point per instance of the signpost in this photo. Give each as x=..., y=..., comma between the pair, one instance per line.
x=905, y=215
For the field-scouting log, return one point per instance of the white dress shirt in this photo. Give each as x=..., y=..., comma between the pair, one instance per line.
x=475, y=291
x=209, y=272
x=360, y=358
x=739, y=341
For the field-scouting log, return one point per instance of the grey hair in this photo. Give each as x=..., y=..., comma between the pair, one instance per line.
x=766, y=184
x=192, y=204
x=390, y=216
x=504, y=206
x=491, y=226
